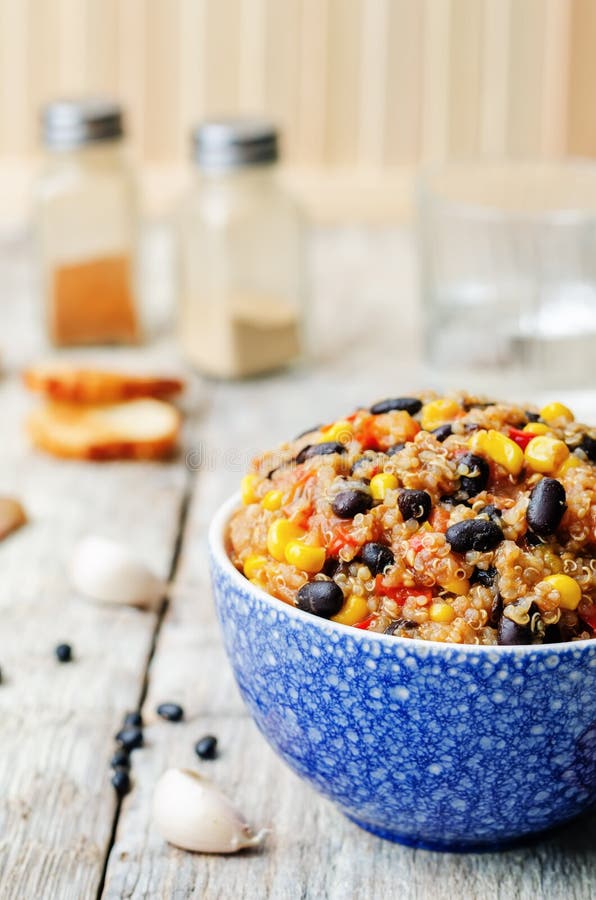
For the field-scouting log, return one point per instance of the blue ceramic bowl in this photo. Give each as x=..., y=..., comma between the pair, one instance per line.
x=450, y=747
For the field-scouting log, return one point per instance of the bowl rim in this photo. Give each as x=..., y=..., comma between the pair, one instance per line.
x=216, y=533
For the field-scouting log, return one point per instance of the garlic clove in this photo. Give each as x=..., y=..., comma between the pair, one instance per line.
x=106, y=571
x=192, y=813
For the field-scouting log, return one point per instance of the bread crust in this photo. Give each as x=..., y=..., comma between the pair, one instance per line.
x=100, y=432
x=70, y=384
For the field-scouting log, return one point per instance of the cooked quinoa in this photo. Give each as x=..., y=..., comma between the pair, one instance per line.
x=447, y=518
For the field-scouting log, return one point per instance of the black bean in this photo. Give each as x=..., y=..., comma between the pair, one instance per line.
x=324, y=449
x=376, y=556
x=395, y=448
x=361, y=463
x=485, y=577
x=348, y=504
x=133, y=718
x=588, y=445
x=398, y=624
x=308, y=431
x=532, y=416
x=322, y=598
x=206, y=747
x=63, y=653
x=496, y=611
x=552, y=635
x=442, y=432
x=120, y=759
x=121, y=782
x=492, y=511
x=173, y=712
x=473, y=474
x=546, y=507
x=414, y=505
x=510, y=633
x=130, y=738
x=474, y=534
x=454, y=500
x=410, y=404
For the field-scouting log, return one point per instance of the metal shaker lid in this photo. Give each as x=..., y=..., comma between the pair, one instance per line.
x=234, y=143
x=73, y=123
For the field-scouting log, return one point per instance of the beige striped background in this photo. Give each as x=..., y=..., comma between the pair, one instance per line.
x=362, y=88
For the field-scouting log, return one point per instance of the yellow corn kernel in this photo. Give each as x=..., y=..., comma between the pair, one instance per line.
x=381, y=483
x=546, y=454
x=279, y=535
x=247, y=489
x=441, y=612
x=253, y=565
x=569, y=590
x=477, y=440
x=572, y=462
x=537, y=428
x=303, y=556
x=438, y=412
x=499, y=448
x=354, y=610
x=341, y=431
x=272, y=500
x=556, y=412
x=459, y=586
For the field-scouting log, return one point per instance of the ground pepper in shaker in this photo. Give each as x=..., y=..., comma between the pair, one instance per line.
x=86, y=225
x=241, y=253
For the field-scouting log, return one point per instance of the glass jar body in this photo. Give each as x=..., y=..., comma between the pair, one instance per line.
x=86, y=228
x=241, y=254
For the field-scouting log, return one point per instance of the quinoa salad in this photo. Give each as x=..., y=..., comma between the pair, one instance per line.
x=446, y=518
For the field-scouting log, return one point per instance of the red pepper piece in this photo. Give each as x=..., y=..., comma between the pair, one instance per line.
x=521, y=438
x=400, y=593
x=366, y=622
x=590, y=618
x=341, y=538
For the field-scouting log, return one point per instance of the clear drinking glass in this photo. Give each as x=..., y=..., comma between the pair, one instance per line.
x=508, y=272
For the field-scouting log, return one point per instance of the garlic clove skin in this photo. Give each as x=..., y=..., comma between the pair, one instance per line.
x=106, y=571
x=192, y=813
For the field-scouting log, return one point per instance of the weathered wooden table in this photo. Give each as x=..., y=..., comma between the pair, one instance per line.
x=62, y=832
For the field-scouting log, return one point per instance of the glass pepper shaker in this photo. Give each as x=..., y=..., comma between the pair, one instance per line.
x=241, y=250
x=86, y=224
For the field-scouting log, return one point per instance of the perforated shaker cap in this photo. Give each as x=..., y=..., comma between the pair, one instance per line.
x=72, y=123
x=234, y=143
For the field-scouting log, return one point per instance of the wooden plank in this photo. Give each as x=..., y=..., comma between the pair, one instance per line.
x=464, y=78
x=403, y=94
x=581, y=115
x=496, y=40
x=56, y=803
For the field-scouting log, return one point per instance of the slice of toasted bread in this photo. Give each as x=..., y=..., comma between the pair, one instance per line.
x=71, y=384
x=137, y=429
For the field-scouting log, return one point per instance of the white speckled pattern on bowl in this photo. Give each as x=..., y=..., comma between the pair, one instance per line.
x=435, y=745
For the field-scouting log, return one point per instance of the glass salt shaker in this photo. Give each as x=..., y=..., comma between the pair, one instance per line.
x=86, y=224
x=241, y=254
